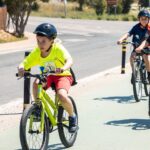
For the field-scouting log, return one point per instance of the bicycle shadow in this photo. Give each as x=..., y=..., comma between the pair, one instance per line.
x=118, y=99
x=135, y=124
x=58, y=146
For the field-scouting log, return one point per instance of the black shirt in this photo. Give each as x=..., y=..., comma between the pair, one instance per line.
x=139, y=34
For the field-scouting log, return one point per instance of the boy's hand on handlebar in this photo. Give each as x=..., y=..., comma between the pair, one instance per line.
x=21, y=71
x=138, y=50
x=59, y=70
x=119, y=42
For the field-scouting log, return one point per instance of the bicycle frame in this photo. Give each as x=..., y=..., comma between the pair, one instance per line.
x=47, y=105
x=139, y=60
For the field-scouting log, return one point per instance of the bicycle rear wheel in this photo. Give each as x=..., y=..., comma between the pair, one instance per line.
x=146, y=89
x=30, y=135
x=66, y=137
x=137, y=82
x=149, y=105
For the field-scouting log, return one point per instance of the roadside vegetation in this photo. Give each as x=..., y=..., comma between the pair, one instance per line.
x=125, y=10
x=20, y=10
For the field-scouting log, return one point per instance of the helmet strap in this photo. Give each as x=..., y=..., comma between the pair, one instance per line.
x=49, y=49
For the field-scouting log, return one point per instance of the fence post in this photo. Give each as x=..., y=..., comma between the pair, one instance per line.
x=124, y=48
x=26, y=87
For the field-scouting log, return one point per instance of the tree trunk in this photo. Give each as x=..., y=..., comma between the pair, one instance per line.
x=81, y=2
x=19, y=12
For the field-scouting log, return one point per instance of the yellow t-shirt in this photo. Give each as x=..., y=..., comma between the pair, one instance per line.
x=56, y=59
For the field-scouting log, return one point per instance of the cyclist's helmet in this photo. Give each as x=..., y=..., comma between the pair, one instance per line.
x=144, y=13
x=46, y=29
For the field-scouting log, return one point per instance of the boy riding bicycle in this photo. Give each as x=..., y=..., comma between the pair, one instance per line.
x=145, y=43
x=51, y=54
x=139, y=33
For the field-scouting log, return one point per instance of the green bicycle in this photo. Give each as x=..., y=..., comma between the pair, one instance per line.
x=39, y=119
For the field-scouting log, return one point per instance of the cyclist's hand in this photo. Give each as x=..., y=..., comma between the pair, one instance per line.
x=119, y=42
x=138, y=50
x=21, y=71
x=59, y=70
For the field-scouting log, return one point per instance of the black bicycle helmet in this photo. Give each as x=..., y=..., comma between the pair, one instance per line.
x=47, y=30
x=144, y=13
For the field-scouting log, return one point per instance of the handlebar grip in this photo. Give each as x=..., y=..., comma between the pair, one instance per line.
x=17, y=75
x=52, y=72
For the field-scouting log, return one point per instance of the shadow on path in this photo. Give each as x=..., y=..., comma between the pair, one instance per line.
x=135, y=124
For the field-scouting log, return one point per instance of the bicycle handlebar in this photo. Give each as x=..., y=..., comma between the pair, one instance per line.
x=39, y=76
x=132, y=43
x=143, y=51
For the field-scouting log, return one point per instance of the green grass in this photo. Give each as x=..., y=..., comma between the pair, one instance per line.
x=57, y=11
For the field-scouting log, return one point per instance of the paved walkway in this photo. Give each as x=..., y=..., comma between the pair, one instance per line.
x=109, y=118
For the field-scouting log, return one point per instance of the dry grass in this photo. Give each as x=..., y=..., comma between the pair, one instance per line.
x=57, y=10
x=8, y=37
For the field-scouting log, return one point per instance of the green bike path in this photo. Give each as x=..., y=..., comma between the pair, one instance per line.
x=109, y=118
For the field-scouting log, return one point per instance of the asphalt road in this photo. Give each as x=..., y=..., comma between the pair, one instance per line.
x=91, y=43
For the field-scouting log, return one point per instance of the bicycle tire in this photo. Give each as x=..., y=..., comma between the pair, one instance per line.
x=149, y=105
x=146, y=85
x=146, y=89
x=137, y=73
x=61, y=128
x=23, y=125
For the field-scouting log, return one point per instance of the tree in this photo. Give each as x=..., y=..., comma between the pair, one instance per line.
x=99, y=5
x=119, y=7
x=144, y=3
x=2, y=3
x=126, y=6
x=19, y=12
x=81, y=3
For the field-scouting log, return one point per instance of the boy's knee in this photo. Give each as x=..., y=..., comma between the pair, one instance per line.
x=35, y=85
x=62, y=96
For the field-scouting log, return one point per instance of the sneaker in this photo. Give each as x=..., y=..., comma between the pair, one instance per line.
x=73, y=124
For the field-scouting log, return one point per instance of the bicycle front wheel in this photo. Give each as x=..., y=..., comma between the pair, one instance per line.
x=30, y=135
x=66, y=137
x=137, y=82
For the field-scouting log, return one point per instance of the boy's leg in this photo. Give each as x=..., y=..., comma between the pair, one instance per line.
x=35, y=89
x=132, y=57
x=67, y=105
x=147, y=64
x=63, y=85
x=65, y=101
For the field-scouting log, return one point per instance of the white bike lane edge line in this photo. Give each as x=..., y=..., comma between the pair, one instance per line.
x=9, y=107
